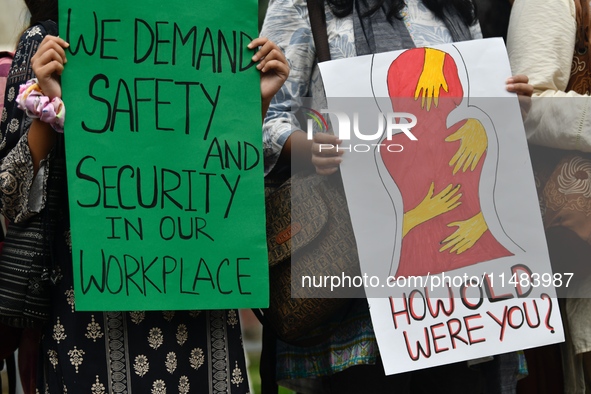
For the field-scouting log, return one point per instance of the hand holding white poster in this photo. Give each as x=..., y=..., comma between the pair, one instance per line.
x=442, y=200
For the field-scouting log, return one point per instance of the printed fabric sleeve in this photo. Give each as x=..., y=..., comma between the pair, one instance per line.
x=22, y=194
x=557, y=118
x=286, y=23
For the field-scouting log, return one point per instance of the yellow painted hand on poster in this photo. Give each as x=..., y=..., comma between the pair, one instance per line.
x=473, y=144
x=468, y=232
x=431, y=206
x=432, y=79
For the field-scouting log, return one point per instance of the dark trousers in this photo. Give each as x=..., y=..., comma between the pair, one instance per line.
x=453, y=379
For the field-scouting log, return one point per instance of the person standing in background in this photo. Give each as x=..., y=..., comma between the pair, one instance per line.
x=558, y=65
x=349, y=360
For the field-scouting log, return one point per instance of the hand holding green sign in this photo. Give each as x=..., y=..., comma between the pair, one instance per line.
x=164, y=160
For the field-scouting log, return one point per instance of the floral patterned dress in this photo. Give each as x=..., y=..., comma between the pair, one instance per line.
x=108, y=352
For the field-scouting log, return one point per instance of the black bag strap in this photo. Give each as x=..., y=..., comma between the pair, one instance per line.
x=318, y=25
x=268, y=360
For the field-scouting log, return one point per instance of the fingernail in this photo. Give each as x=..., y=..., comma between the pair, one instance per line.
x=510, y=80
x=259, y=66
x=510, y=87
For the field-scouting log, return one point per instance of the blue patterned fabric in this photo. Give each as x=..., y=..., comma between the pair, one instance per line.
x=288, y=25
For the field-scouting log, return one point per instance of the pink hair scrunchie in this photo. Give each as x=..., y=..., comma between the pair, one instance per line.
x=36, y=105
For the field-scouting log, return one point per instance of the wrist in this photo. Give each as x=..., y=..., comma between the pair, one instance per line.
x=297, y=151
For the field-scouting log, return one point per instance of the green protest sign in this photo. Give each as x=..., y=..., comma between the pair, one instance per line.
x=164, y=155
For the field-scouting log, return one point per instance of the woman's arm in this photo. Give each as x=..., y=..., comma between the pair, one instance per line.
x=41, y=139
x=287, y=25
x=273, y=67
x=48, y=65
x=22, y=192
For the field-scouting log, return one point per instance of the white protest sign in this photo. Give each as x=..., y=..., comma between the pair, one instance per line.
x=448, y=225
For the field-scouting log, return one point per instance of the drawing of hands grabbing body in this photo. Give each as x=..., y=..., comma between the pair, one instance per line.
x=432, y=79
x=473, y=144
x=442, y=229
x=431, y=206
x=468, y=232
